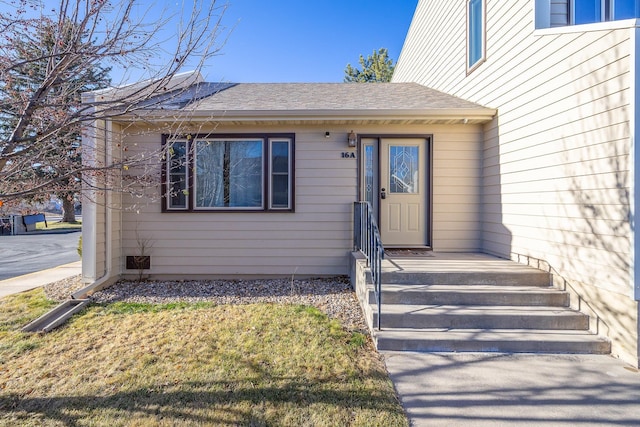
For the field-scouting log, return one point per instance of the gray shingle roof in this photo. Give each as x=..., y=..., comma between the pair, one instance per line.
x=243, y=97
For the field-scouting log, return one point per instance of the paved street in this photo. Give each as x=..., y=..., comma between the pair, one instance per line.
x=28, y=253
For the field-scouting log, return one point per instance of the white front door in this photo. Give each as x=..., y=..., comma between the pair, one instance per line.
x=404, y=191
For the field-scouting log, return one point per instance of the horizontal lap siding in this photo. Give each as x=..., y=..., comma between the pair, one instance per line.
x=314, y=240
x=556, y=160
x=557, y=185
x=317, y=237
x=101, y=254
x=457, y=189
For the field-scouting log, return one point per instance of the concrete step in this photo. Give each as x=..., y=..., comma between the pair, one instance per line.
x=515, y=276
x=491, y=340
x=474, y=302
x=471, y=295
x=480, y=317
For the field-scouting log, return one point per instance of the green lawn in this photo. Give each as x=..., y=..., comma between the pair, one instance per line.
x=77, y=225
x=189, y=364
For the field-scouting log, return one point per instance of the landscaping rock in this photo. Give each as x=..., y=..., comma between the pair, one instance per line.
x=334, y=296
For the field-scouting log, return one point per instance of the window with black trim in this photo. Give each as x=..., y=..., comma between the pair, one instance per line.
x=476, y=18
x=248, y=172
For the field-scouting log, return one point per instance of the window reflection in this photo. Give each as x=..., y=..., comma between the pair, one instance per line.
x=403, y=169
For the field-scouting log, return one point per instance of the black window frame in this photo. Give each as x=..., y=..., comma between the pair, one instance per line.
x=267, y=197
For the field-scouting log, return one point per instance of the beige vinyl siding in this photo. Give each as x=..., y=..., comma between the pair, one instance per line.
x=456, y=190
x=105, y=206
x=556, y=161
x=563, y=102
x=314, y=240
x=317, y=237
x=100, y=239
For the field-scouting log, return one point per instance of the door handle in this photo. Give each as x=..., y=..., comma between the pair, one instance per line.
x=383, y=193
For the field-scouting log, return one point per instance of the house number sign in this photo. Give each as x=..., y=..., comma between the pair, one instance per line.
x=348, y=155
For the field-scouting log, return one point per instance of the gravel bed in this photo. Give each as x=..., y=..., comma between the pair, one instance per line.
x=60, y=290
x=334, y=296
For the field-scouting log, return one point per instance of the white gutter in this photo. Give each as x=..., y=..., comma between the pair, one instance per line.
x=468, y=114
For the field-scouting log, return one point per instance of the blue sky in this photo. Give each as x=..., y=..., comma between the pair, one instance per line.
x=306, y=40
x=283, y=40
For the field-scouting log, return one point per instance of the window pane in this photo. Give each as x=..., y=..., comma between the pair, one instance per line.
x=587, y=11
x=476, y=39
x=279, y=174
x=403, y=169
x=625, y=9
x=369, y=185
x=178, y=191
x=177, y=185
x=178, y=155
x=280, y=156
x=280, y=191
x=229, y=174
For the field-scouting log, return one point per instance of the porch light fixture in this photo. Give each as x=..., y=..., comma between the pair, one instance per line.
x=327, y=134
x=352, y=139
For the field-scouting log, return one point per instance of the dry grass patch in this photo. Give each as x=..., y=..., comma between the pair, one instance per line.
x=193, y=364
x=15, y=312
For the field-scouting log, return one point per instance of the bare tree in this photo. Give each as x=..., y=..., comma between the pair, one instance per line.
x=38, y=114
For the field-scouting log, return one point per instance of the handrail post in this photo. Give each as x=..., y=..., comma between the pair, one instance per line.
x=357, y=226
x=367, y=240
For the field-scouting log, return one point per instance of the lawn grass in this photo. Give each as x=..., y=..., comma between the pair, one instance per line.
x=190, y=364
x=77, y=225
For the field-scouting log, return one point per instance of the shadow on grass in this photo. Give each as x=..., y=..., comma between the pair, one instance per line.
x=212, y=403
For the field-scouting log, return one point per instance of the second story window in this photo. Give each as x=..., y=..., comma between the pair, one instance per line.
x=588, y=11
x=560, y=13
x=476, y=10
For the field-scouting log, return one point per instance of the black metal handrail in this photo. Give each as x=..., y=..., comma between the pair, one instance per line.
x=366, y=239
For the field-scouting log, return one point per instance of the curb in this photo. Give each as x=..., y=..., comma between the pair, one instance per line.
x=36, y=279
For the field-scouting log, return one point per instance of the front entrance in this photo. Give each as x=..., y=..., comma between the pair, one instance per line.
x=396, y=181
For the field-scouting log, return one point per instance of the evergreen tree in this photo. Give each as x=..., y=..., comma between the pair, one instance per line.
x=58, y=157
x=377, y=67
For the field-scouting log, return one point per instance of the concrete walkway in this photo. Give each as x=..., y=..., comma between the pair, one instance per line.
x=39, y=278
x=489, y=389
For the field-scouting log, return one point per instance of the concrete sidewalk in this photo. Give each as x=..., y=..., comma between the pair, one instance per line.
x=490, y=389
x=39, y=278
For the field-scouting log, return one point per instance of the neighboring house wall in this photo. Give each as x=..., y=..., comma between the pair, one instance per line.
x=316, y=238
x=557, y=162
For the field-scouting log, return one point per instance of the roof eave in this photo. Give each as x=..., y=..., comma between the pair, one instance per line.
x=476, y=115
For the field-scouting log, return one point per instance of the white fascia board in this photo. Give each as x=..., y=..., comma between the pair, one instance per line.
x=483, y=114
x=586, y=28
